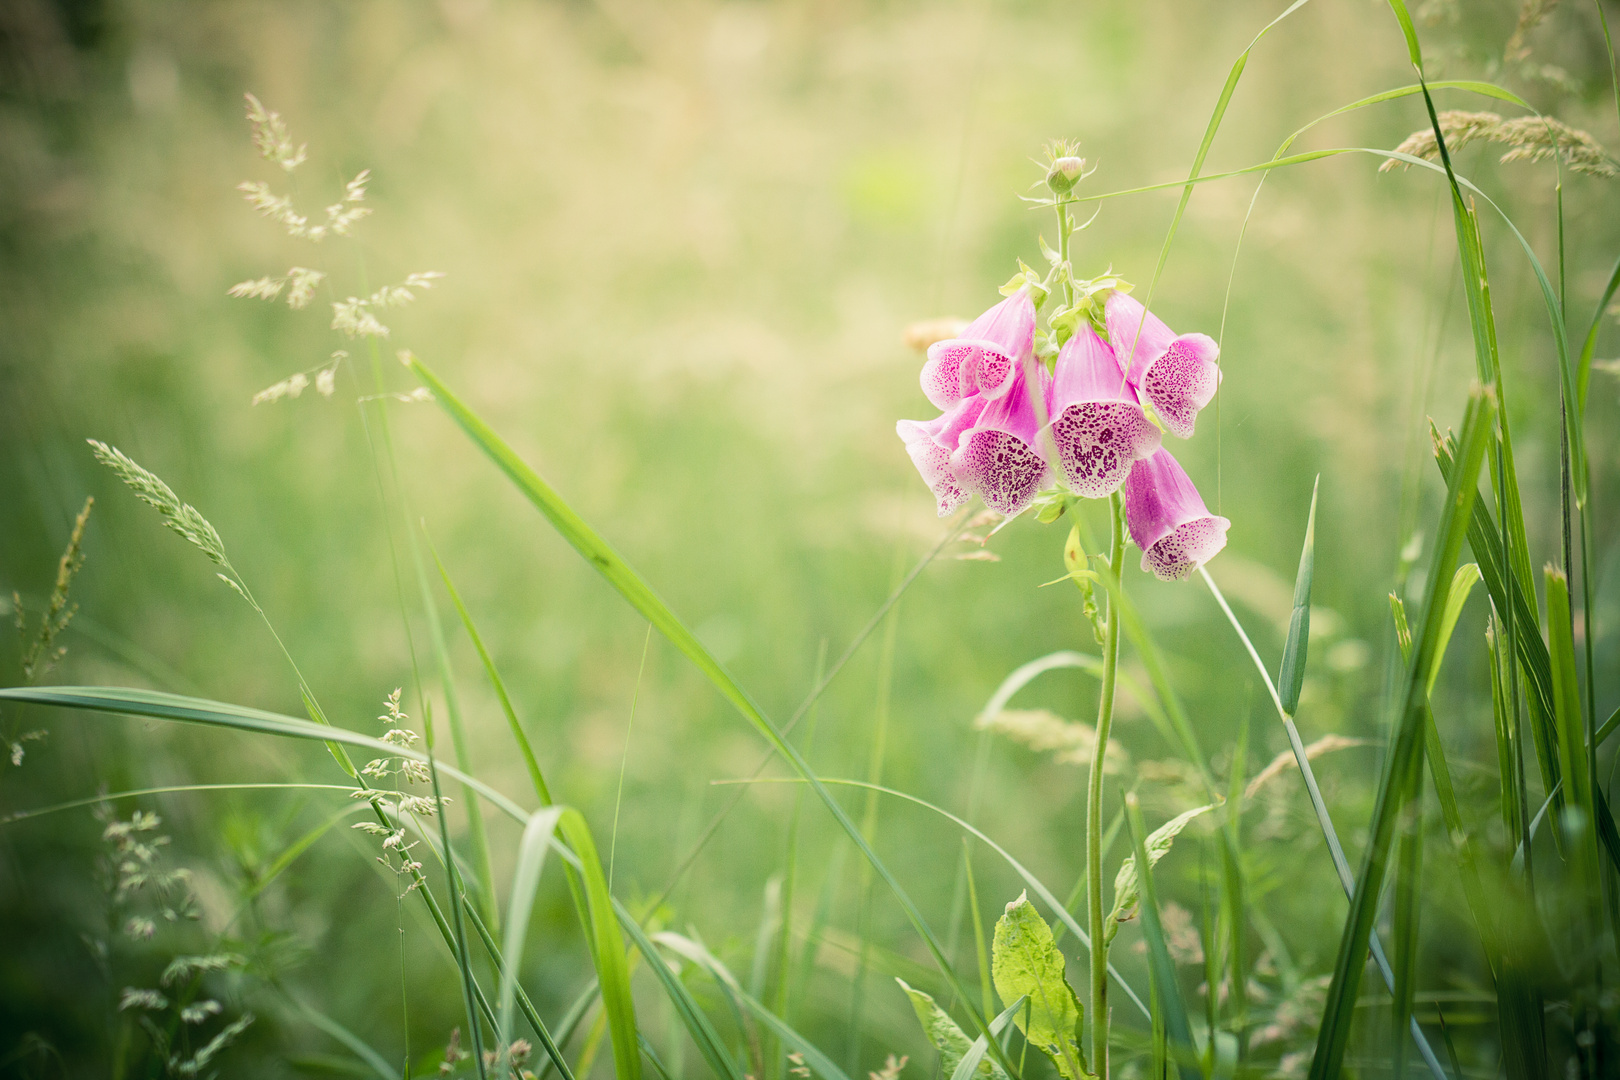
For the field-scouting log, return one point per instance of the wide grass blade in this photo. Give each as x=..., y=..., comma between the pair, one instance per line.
x=531, y=863
x=607, y=948
x=969, y=1065
x=1166, y=991
x=641, y=596
x=1291, y=675
x=1400, y=777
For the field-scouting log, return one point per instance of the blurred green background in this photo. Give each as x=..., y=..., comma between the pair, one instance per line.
x=681, y=244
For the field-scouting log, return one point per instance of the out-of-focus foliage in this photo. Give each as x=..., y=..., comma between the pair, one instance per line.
x=681, y=245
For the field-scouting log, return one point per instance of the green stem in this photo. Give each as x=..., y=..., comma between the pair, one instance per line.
x=1094, y=795
x=1065, y=226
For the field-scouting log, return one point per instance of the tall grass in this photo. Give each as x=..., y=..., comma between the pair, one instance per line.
x=1493, y=924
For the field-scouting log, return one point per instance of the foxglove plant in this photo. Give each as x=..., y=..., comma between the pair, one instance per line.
x=1085, y=402
x=1168, y=520
x=1176, y=375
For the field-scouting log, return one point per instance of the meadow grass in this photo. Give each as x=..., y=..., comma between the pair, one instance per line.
x=456, y=953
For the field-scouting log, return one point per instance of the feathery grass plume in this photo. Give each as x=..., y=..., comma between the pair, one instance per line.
x=303, y=281
x=1280, y=764
x=264, y=288
x=1044, y=731
x=42, y=653
x=355, y=316
x=278, y=208
x=891, y=1068
x=1528, y=138
x=142, y=999
x=180, y=517
x=186, y=967
x=271, y=136
x=1531, y=15
x=291, y=386
x=295, y=384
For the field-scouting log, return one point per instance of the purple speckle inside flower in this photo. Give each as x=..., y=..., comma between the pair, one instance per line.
x=1186, y=547
x=1001, y=468
x=1097, y=441
x=1181, y=381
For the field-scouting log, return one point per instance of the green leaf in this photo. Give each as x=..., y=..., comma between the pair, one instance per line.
x=1291, y=676
x=942, y=1031
x=1126, y=882
x=1026, y=963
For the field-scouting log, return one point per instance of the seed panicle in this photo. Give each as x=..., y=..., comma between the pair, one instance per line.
x=180, y=517
x=1528, y=138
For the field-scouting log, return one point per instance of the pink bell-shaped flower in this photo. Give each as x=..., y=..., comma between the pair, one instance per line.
x=1098, y=426
x=1168, y=520
x=999, y=458
x=1177, y=376
x=930, y=444
x=987, y=355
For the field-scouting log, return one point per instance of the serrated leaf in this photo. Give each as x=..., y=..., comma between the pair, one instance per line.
x=1026, y=963
x=946, y=1037
x=1126, y=884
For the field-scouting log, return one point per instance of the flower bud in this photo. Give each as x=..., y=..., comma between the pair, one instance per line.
x=1064, y=172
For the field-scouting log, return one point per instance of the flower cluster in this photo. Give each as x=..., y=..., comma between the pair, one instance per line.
x=1121, y=378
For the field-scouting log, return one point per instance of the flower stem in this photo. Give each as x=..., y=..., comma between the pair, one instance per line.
x=1065, y=227
x=1094, y=796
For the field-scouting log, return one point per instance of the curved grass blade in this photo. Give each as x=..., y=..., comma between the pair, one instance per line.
x=1036, y=885
x=1166, y=990
x=24, y=815
x=641, y=596
x=1291, y=675
x=1583, y=373
x=352, y=1042
x=1324, y=820
x=525, y=883
x=608, y=952
x=160, y=705
x=819, y=1062
x=535, y=776
x=1399, y=777
x=1024, y=674
x=975, y=1053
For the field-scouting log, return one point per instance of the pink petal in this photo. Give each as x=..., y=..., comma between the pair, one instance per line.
x=999, y=458
x=1129, y=322
x=1010, y=326
x=1098, y=427
x=1168, y=520
x=1182, y=380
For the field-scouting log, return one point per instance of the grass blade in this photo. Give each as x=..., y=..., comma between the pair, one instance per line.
x=641, y=596
x=525, y=883
x=969, y=1065
x=1166, y=991
x=1399, y=778
x=820, y=1064
x=1291, y=675
x=522, y=740
x=1035, y=884
x=607, y=948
